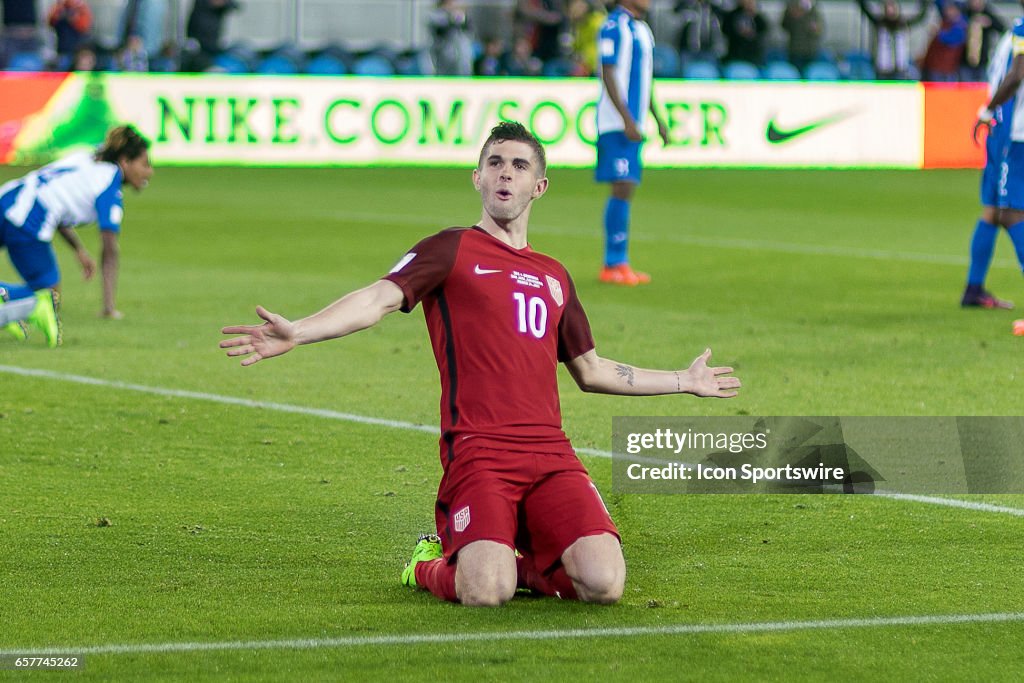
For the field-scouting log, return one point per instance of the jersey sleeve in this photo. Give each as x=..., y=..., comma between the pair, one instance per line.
x=110, y=205
x=1017, y=44
x=574, y=335
x=608, y=42
x=425, y=267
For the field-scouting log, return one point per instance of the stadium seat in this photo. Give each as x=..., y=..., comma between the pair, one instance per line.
x=701, y=70
x=822, y=71
x=230, y=63
x=373, y=65
x=781, y=71
x=163, y=65
x=326, y=65
x=666, y=62
x=857, y=66
x=741, y=71
x=557, y=68
x=277, y=64
x=414, y=63
x=26, y=61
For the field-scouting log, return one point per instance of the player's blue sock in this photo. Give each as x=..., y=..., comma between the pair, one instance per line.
x=616, y=231
x=17, y=291
x=983, y=243
x=1016, y=233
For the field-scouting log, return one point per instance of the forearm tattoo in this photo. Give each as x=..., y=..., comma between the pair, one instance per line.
x=626, y=373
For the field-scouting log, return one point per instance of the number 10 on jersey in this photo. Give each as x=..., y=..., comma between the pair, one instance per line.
x=531, y=314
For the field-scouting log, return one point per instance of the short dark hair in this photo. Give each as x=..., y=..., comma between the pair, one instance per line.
x=516, y=132
x=123, y=141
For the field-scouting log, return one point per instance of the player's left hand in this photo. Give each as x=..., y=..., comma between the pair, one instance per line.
x=985, y=120
x=710, y=382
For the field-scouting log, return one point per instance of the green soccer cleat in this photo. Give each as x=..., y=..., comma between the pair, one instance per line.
x=427, y=548
x=16, y=329
x=46, y=317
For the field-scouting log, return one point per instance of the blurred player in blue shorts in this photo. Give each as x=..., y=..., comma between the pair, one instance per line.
x=626, y=47
x=80, y=188
x=1006, y=107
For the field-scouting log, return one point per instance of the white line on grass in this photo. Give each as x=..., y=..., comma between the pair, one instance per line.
x=564, y=634
x=727, y=243
x=398, y=424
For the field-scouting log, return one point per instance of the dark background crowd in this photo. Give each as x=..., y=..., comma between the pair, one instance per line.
x=696, y=39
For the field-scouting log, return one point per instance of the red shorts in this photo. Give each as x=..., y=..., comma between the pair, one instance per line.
x=536, y=503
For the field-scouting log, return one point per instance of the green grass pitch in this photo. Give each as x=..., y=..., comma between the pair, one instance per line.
x=131, y=518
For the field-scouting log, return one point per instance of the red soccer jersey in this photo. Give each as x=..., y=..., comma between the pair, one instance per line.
x=500, y=319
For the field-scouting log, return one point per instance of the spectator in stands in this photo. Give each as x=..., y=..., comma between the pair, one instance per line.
x=492, y=61
x=585, y=20
x=941, y=62
x=133, y=57
x=805, y=26
x=84, y=58
x=205, y=25
x=545, y=24
x=20, y=33
x=520, y=60
x=71, y=21
x=452, y=47
x=984, y=27
x=700, y=36
x=745, y=29
x=146, y=19
x=892, y=37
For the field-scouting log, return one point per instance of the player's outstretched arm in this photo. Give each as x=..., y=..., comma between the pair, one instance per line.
x=601, y=375
x=277, y=335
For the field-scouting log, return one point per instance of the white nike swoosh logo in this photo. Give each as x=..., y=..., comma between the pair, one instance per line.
x=484, y=271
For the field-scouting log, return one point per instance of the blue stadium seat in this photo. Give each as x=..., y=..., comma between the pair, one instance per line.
x=163, y=65
x=557, y=68
x=857, y=66
x=326, y=65
x=741, y=71
x=822, y=71
x=373, y=65
x=781, y=71
x=230, y=63
x=414, y=63
x=666, y=62
x=701, y=70
x=276, y=64
x=26, y=61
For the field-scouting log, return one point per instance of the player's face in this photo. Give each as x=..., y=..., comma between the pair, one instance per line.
x=508, y=179
x=137, y=171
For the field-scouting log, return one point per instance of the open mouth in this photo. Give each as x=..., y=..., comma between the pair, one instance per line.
x=504, y=194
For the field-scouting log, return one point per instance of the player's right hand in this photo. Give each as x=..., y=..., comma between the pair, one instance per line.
x=273, y=338
x=632, y=132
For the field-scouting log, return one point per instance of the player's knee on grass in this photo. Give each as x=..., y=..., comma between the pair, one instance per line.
x=485, y=574
x=597, y=568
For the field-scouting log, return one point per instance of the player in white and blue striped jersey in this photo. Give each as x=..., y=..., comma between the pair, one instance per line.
x=79, y=189
x=626, y=47
x=1010, y=96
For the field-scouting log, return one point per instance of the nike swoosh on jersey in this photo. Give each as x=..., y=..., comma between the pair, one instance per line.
x=777, y=136
x=484, y=271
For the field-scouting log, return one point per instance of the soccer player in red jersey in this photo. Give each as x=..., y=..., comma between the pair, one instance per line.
x=515, y=507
